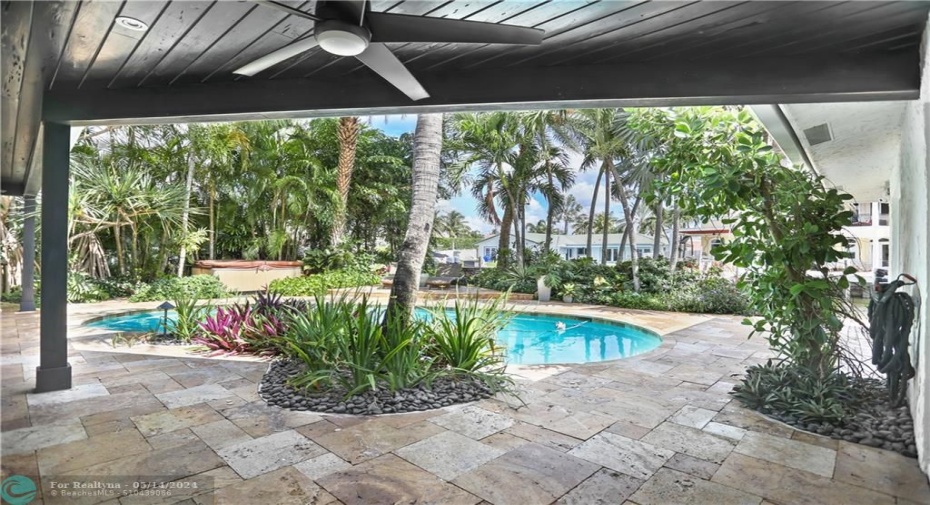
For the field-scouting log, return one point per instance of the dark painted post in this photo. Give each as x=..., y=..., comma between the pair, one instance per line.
x=54, y=372
x=28, y=302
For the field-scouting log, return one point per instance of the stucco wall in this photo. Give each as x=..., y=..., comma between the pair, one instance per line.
x=910, y=234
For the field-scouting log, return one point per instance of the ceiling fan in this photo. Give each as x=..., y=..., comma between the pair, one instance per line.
x=350, y=28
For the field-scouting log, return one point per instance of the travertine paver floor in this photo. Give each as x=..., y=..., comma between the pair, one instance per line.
x=657, y=429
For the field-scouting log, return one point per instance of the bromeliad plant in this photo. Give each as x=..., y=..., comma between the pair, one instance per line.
x=251, y=328
x=222, y=332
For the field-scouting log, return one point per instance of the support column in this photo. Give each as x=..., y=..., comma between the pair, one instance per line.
x=28, y=303
x=54, y=372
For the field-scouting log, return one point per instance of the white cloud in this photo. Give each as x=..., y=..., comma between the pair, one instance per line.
x=535, y=211
x=583, y=193
x=476, y=223
x=444, y=206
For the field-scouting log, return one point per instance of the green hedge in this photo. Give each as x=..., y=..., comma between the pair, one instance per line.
x=318, y=284
x=200, y=287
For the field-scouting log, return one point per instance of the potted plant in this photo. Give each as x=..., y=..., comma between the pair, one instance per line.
x=544, y=285
x=568, y=292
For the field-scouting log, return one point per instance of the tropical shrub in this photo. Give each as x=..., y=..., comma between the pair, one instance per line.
x=720, y=296
x=796, y=393
x=787, y=223
x=82, y=288
x=15, y=295
x=463, y=337
x=327, y=260
x=242, y=329
x=222, y=332
x=344, y=342
x=316, y=284
x=202, y=287
x=189, y=315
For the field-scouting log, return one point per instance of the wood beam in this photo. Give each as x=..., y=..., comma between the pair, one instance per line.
x=798, y=79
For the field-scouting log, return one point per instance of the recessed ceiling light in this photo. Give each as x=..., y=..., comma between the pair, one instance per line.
x=132, y=24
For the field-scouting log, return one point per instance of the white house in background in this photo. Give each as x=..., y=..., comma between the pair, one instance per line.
x=467, y=257
x=574, y=246
x=869, y=236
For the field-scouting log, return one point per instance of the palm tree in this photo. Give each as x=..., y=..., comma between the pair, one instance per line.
x=548, y=129
x=451, y=225
x=606, y=223
x=540, y=227
x=427, y=149
x=489, y=142
x=115, y=193
x=606, y=138
x=570, y=212
x=348, y=143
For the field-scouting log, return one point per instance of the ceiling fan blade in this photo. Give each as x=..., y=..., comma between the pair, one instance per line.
x=288, y=9
x=402, y=28
x=273, y=58
x=380, y=59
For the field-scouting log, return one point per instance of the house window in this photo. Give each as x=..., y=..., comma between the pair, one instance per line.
x=644, y=251
x=612, y=254
x=862, y=214
x=490, y=253
x=852, y=248
x=883, y=214
x=581, y=252
x=886, y=253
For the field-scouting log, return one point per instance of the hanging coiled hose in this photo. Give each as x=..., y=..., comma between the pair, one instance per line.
x=891, y=314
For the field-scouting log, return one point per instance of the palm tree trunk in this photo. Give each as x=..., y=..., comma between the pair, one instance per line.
x=606, y=229
x=597, y=186
x=185, y=214
x=628, y=215
x=427, y=146
x=348, y=141
x=135, y=249
x=623, y=241
x=673, y=254
x=212, y=222
x=520, y=230
x=117, y=235
x=657, y=239
x=550, y=215
x=549, y=218
x=503, y=244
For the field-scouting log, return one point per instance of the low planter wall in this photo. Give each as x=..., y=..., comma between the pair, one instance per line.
x=244, y=275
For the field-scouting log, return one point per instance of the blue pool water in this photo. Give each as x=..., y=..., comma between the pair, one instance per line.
x=530, y=339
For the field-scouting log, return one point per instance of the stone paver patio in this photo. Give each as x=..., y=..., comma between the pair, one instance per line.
x=657, y=429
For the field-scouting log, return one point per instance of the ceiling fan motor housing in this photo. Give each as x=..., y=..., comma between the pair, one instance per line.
x=341, y=38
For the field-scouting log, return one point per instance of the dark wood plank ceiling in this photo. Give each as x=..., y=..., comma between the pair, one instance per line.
x=193, y=46
x=203, y=41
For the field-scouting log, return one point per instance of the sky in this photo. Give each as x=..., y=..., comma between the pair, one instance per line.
x=583, y=189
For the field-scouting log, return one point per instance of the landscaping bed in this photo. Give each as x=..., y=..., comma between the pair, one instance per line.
x=275, y=389
x=872, y=420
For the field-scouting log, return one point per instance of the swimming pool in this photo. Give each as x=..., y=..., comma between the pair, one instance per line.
x=530, y=339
